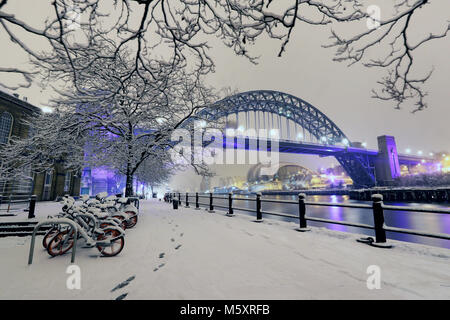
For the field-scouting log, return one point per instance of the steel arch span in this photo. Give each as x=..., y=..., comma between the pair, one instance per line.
x=285, y=105
x=299, y=111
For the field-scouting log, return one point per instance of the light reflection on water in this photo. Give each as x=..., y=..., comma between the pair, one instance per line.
x=430, y=222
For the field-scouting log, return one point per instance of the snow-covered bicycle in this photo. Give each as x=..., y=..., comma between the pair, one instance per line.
x=109, y=240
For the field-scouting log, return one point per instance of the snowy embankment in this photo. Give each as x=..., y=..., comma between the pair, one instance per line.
x=193, y=254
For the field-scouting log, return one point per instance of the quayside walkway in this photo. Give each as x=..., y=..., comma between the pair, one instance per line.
x=194, y=254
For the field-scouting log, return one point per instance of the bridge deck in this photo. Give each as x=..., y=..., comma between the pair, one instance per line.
x=299, y=147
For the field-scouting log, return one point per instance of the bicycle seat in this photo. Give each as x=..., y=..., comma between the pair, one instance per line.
x=101, y=195
x=102, y=206
x=84, y=197
x=78, y=209
x=111, y=198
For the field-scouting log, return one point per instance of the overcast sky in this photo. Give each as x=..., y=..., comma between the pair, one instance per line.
x=307, y=71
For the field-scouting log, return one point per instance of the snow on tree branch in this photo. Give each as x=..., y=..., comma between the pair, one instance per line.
x=176, y=32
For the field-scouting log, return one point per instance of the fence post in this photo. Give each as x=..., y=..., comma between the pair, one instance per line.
x=378, y=220
x=175, y=203
x=211, y=207
x=197, y=205
x=302, y=213
x=258, y=208
x=187, y=200
x=32, y=207
x=230, y=212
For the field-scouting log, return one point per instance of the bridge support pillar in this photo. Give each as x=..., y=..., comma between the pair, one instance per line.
x=387, y=167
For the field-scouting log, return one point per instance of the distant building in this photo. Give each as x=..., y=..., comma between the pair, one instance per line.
x=47, y=186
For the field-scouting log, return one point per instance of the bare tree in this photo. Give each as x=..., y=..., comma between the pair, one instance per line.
x=155, y=171
x=175, y=32
x=53, y=138
x=121, y=118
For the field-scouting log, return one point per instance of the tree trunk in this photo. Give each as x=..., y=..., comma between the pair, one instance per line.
x=129, y=183
x=130, y=172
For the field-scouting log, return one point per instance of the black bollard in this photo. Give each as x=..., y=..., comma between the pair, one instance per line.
x=302, y=213
x=258, y=208
x=187, y=200
x=197, y=205
x=32, y=207
x=211, y=207
x=378, y=219
x=230, y=212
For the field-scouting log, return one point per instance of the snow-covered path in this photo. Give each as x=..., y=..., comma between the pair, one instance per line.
x=193, y=254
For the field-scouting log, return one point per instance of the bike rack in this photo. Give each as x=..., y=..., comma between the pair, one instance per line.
x=69, y=222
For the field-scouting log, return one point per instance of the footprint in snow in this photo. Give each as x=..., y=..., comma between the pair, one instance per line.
x=161, y=255
x=172, y=239
x=123, y=284
x=122, y=296
x=159, y=267
x=178, y=247
x=181, y=234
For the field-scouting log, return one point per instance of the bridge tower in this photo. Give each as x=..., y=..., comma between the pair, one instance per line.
x=387, y=167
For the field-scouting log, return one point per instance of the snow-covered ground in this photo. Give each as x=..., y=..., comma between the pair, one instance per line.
x=193, y=254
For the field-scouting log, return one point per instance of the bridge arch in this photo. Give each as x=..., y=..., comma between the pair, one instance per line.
x=358, y=167
x=282, y=104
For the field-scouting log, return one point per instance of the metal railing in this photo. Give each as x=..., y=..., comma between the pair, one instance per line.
x=377, y=207
x=12, y=203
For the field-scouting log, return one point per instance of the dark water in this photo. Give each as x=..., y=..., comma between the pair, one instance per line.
x=430, y=222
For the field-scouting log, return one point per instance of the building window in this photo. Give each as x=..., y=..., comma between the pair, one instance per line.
x=6, y=121
x=47, y=185
x=67, y=180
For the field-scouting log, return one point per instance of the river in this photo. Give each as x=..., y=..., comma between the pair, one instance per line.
x=430, y=222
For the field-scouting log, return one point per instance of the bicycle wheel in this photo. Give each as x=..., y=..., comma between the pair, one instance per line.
x=123, y=223
x=116, y=245
x=105, y=225
x=48, y=236
x=60, y=243
x=132, y=221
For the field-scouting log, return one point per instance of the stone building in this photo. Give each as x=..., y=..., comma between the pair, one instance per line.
x=47, y=186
